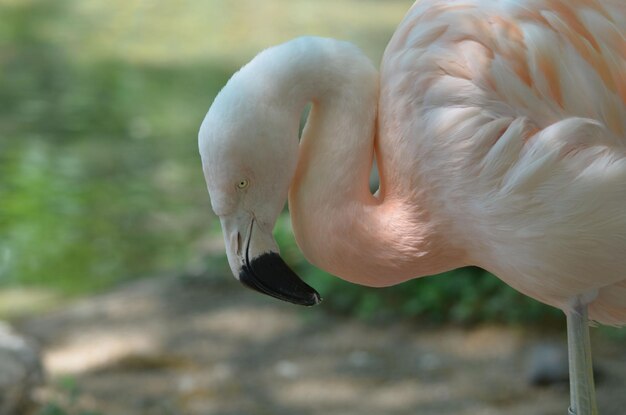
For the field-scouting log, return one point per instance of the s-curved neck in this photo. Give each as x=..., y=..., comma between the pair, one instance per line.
x=339, y=225
x=337, y=145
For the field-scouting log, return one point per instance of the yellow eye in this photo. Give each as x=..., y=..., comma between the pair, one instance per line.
x=242, y=184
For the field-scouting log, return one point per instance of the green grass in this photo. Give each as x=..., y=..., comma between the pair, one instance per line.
x=100, y=103
x=100, y=175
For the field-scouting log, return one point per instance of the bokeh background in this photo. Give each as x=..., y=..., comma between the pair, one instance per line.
x=101, y=188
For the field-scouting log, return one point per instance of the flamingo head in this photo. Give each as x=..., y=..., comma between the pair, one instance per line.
x=249, y=152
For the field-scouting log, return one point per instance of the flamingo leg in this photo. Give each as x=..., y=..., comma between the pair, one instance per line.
x=582, y=389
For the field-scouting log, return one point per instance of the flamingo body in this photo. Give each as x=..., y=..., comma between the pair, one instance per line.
x=499, y=129
x=510, y=116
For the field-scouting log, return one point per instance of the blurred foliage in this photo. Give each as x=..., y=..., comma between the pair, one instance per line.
x=57, y=409
x=67, y=402
x=100, y=177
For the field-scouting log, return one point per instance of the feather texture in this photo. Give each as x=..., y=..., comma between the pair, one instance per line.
x=519, y=108
x=499, y=129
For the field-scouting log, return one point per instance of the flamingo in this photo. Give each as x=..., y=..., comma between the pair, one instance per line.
x=499, y=130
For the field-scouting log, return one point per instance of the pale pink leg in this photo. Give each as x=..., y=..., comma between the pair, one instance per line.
x=582, y=389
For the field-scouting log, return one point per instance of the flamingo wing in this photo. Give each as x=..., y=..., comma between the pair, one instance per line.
x=520, y=108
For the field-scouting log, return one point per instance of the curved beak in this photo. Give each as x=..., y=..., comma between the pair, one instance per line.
x=255, y=262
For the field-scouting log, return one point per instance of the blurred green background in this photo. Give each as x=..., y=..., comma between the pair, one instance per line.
x=100, y=180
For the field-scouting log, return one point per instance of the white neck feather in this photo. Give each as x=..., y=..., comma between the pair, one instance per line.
x=338, y=142
x=342, y=85
x=339, y=225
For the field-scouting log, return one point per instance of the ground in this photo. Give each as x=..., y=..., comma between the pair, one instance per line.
x=190, y=345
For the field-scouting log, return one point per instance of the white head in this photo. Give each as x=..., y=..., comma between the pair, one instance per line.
x=249, y=149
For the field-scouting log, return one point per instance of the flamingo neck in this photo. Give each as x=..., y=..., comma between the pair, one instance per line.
x=339, y=225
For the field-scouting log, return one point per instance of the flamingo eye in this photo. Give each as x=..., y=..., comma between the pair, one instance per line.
x=242, y=184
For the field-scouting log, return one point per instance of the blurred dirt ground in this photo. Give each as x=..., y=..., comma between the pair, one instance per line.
x=198, y=346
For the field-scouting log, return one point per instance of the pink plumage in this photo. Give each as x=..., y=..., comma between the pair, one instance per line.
x=499, y=129
x=501, y=144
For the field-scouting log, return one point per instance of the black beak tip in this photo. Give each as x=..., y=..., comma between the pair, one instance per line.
x=313, y=299
x=270, y=275
x=316, y=298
